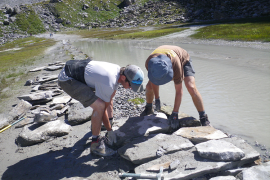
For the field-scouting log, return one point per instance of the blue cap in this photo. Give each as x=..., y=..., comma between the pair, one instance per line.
x=160, y=70
x=135, y=76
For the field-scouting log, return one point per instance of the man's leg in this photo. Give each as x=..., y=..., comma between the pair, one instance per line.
x=197, y=99
x=151, y=92
x=193, y=91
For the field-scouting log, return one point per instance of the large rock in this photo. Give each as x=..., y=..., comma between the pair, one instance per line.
x=200, y=134
x=257, y=172
x=33, y=134
x=212, y=150
x=141, y=126
x=78, y=114
x=148, y=148
x=192, y=165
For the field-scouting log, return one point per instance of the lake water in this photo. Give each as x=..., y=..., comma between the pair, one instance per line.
x=232, y=77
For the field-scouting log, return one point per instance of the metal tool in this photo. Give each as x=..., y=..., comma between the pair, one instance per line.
x=158, y=176
x=5, y=128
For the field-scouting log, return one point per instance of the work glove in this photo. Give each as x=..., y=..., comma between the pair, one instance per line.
x=111, y=137
x=173, y=120
x=157, y=104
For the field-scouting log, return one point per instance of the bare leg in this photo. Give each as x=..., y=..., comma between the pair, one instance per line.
x=97, y=116
x=194, y=93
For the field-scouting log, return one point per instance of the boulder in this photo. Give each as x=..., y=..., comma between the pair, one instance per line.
x=33, y=134
x=211, y=150
x=78, y=114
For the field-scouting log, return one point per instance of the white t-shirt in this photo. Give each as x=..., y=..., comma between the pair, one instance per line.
x=102, y=76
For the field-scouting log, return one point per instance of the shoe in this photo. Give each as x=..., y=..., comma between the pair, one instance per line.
x=204, y=120
x=147, y=111
x=104, y=128
x=157, y=104
x=100, y=148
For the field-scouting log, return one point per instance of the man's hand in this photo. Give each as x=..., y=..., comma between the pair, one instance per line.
x=111, y=137
x=173, y=120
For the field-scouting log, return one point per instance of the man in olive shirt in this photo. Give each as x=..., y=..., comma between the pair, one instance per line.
x=168, y=63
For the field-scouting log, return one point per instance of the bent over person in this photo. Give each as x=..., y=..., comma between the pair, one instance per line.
x=94, y=84
x=168, y=63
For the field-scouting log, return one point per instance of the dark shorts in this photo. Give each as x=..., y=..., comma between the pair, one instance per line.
x=188, y=69
x=79, y=91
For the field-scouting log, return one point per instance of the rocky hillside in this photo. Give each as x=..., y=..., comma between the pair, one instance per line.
x=20, y=19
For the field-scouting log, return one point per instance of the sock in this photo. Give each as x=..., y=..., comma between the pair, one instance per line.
x=201, y=113
x=149, y=105
x=94, y=138
x=157, y=98
x=110, y=119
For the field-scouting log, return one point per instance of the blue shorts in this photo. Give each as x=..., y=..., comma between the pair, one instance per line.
x=188, y=69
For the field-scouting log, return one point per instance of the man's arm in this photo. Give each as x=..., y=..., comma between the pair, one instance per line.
x=178, y=96
x=108, y=109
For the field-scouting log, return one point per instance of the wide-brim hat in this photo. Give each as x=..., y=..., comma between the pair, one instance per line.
x=160, y=70
x=135, y=76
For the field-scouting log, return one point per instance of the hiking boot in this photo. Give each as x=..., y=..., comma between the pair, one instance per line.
x=204, y=120
x=147, y=111
x=157, y=104
x=104, y=128
x=100, y=148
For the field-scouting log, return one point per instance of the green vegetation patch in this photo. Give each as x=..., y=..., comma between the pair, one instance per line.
x=73, y=14
x=29, y=22
x=258, y=31
x=20, y=53
x=125, y=34
x=148, y=34
x=137, y=100
x=102, y=33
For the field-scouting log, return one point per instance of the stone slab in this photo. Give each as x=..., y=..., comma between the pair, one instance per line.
x=145, y=149
x=135, y=127
x=219, y=150
x=200, y=134
x=199, y=165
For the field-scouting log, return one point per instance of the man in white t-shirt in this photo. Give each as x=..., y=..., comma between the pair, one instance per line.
x=94, y=84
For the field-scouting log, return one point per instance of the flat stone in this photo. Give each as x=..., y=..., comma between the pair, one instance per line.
x=219, y=150
x=200, y=134
x=192, y=165
x=53, y=68
x=61, y=100
x=37, y=69
x=78, y=114
x=145, y=149
x=141, y=126
x=257, y=172
x=46, y=78
x=37, y=97
x=33, y=134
